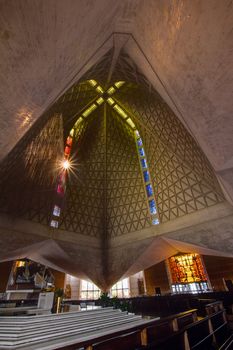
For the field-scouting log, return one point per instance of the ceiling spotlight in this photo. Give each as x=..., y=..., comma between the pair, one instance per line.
x=66, y=164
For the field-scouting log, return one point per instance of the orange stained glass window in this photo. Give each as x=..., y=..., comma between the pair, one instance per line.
x=69, y=141
x=187, y=268
x=67, y=150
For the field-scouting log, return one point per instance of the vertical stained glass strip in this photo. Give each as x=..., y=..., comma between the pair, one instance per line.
x=152, y=207
x=56, y=210
x=143, y=163
x=61, y=181
x=146, y=176
x=149, y=190
x=54, y=223
x=141, y=152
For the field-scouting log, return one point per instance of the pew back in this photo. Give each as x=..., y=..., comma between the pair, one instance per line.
x=129, y=341
x=214, y=307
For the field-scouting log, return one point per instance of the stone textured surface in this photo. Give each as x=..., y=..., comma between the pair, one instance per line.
x=189, y=45
x=43, y=46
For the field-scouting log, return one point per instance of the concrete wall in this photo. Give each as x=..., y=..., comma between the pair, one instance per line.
x=156, y=276
x=5, y=269
x=134, y=281
x=59, y=278
x=217, y=269
x=74, y=285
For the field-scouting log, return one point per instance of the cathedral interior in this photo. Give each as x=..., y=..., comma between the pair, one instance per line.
x=116, y=161
x=143, y=118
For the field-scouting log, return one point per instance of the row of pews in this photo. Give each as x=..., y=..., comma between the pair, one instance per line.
x=185, y=332
x=206, y=333
x=109, y=329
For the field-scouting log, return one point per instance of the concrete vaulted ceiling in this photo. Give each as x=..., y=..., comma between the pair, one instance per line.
x=175, y=59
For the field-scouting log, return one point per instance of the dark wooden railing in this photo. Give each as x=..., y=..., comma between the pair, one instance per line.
x=178, y=332
x=165, y=305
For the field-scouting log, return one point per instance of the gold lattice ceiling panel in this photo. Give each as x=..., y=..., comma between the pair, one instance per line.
x=106, y=195
x=183, y=178
x=84, y=201
x=127, y=208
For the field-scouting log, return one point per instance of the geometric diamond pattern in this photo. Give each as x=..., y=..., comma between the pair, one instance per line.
x=84, y=207
x=127, y=208
x=180, y=190
x=105, y=194
x=182, y=177
x=73, y=102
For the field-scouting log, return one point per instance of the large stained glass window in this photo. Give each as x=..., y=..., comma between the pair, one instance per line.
x=188, y=274
x=61, y=182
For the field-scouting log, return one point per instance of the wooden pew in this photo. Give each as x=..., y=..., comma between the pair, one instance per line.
x=200, y=336
x=212, y=331
x=214, y=307
x=176, y=341
x=186, y=318
x=167, y=326
x=161, y=335
x=186, y=333
x=228, y=344
x=129, y=341
x=168, y=333
x=160, y=331
x=220, y=327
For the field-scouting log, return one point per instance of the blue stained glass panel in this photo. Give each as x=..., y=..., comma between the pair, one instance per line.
x=152, y=207
x=155, y=221
x=56, y=210
x=143, y=162
x=149, y=190
x=54, y=223
x=139, y=142
x=146, y=176
x=141, y=152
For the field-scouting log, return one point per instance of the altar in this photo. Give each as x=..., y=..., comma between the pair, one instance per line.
x=17, y=294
